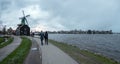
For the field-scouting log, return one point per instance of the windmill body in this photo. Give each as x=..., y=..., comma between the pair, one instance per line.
x=23, y=28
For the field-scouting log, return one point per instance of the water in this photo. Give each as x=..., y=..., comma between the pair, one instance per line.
x=105, y=44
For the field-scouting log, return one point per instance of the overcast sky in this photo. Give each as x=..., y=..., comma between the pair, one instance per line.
x=62, y=14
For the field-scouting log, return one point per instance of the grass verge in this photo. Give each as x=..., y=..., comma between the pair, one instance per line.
x=19, y=54
x=3, y=44
x=1, y=40
x=83, y=56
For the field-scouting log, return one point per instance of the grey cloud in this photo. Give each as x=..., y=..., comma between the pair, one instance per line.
x=92, y=14
x=4, y=4
x=67, y=14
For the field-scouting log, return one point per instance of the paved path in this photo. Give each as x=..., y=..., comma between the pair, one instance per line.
x=34, y=56
x=4, y=52
x=53, y=55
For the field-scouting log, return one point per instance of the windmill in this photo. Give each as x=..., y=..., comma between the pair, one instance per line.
x=23, y=28
x=24, y=19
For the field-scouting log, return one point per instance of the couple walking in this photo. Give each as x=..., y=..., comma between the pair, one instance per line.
x=44, y=36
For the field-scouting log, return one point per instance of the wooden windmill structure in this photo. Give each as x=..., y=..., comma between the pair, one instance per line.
x=23, y=28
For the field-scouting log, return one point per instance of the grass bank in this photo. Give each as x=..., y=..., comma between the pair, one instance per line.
x=19, y=54
x=3, y=44
x=83, y=56
x=1, y=40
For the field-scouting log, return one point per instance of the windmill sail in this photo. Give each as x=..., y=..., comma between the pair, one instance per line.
x=23, y=13
x=24, y=19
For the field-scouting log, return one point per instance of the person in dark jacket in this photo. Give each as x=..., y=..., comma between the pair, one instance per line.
x=46, y=37
x=41, y=37
x=33, y=34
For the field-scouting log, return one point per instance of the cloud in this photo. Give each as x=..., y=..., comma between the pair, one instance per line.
x=1, y=25
x=88, y=14
x=63, y=14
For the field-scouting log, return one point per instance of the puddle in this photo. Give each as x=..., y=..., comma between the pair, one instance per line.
x=34, y=49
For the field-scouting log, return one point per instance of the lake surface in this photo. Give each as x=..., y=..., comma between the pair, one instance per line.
x=105, y=44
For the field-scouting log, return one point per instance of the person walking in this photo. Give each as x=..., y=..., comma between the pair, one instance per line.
x=41, y=37
x=46, y=37
x=33, y=34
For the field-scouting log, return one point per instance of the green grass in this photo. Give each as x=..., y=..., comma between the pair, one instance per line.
x=3, y=44
x=19, y=54
x=83, y=56
x=1, y=40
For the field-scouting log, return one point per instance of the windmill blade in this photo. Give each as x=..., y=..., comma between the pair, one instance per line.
x=23, y=13
x=26, y=21
x=24, y=17
x=27, y=15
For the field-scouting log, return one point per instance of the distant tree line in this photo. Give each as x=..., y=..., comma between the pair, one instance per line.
x=82, y=32
x=3, y=30
x=8, y=31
